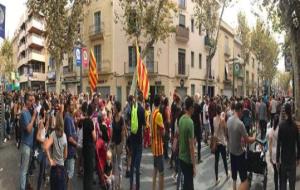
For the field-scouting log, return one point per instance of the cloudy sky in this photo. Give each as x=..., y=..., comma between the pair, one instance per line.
x=15, y=9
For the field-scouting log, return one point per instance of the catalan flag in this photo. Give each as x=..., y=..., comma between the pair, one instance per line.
x=142, y=75
x=93, y=77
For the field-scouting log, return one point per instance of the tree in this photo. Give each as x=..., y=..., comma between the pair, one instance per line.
x=61, y=18
x=284, y=80
x=266, y=50
x=147, y=21
x=285, y=16
x=209, y=19
x=244, y=34
x=6, y=54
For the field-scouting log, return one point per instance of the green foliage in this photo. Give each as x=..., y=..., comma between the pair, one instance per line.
x=244, y=33
x=147, y=21
x=284, y=80
x=208, y=19
x=266, y=50
x=6, y=54
x=62, y=18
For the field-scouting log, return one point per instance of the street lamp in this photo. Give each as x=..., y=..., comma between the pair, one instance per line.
x=79, y=44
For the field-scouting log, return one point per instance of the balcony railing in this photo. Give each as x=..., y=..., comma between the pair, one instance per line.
x=152, y=68
x=35, y=25
x=103, y=68
x=96, y=31
x=36, y=41
x=182, y=70
x=182, y=34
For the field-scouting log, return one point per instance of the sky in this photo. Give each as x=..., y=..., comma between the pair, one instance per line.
x=15, y=9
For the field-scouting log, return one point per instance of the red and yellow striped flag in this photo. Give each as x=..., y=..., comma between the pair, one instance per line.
x=142, y=74
x=93, y=77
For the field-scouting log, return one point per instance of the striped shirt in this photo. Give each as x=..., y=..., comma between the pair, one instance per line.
x=157, y=138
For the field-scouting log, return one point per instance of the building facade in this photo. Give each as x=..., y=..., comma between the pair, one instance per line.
x=31, y=54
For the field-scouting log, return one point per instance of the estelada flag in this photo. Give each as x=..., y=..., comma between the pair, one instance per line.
x=93, y=76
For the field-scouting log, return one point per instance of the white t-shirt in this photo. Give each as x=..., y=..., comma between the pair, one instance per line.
x=59, y=144
x=80, y=137
x=273, y=106
x=205, y=112
x=274, y=135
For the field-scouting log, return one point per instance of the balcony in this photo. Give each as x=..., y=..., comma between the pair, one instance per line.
x=22, y=48
x=22, y=34
x=35, y=25
x=103, y=69
x=21, y=62
x=37, y=76
x=227, y=51
x=36, y=55
x=182, y=70
x=35, y=41
x=152, y=68
x=182, y=34
x=70, y=74
x=96, y=32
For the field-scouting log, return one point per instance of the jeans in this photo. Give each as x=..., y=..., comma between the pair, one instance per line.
x=117, y=164
x=221, y=149
x=42, y=170
x=263, y=128
x=25, y=159
x=276, y=176
x=89, y=166
x=179, y=180
x=70, y=166
x=211, y=123
x=7, y=127
x=198, y=138
x=58, y=178
x=135, y=164
x=287, y=172
x=187, y=170
x=272, y=119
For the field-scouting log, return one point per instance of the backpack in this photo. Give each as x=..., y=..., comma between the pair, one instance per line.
x=247, y=118
x=134, y=119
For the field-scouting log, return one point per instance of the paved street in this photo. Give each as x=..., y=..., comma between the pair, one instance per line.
x=9, y=172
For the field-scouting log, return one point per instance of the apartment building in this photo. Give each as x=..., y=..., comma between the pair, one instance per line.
x=30, y=54
x=247, y=82
x=179, y=63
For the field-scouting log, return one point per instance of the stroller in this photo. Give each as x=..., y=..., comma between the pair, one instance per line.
x=256, y=160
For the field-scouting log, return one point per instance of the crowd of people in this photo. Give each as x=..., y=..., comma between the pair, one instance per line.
x=85, y=135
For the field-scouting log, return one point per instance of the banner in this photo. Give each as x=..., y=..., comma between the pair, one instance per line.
x=85, y=58
x=78, y=56
x=2, y=21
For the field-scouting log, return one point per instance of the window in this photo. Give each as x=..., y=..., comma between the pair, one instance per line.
x=200, y=61
x=192, y=90
x=192, y=25
x=181, y=61
x=181, y=20
x=150, y=60
x=97, y=21
x=181, y=3
x=97, y=53
x=192, y=59
x=132, y=56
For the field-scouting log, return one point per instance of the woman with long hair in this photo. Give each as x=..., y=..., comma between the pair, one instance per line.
x=118, y=139
x=58, y=141
x=220, y=134
x=273, y=136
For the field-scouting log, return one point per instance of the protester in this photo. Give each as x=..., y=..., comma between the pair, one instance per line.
x=197, y=125
x=288, y=150
x=206, y=121
x=272, y=109
x=57, y=144
x=158, y=132
x=273, y=137
x=136, y=140
x=262, y=115
x=220, y=134
x=147, y=128
x=186, y=145
x=70, y=131
x=166, y=114
x=108, y=170
x=118, y=139
x=26, y=124
x=236, y=132
x=41, y=137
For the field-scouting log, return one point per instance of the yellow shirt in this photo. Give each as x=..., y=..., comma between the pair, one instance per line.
x=157, y=139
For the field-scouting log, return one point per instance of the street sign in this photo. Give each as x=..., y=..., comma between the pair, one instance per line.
x=85, y=58
x=78, y=56
x=2, y=21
